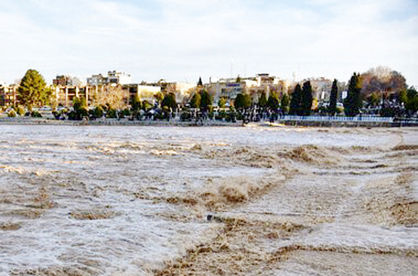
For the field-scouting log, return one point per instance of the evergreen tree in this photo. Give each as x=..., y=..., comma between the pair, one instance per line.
x=306, y=101
x=239, y=101
x=205, y=100
x=333, y=99
x=135, y=105
x=32, y=89
x=195, y=100
x=353, y=102
x=169, y=101
x=262, y=101
x=284, y=103
x=238, y=80
x=200, y=83
x=295, y=107
x=273, y=101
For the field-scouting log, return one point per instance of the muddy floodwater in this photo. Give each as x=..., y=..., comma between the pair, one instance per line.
x=115, y=200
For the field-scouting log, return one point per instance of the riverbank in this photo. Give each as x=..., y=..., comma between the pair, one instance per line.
x=207, y=123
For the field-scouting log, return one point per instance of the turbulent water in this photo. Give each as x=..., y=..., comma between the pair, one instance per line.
x=99, y=200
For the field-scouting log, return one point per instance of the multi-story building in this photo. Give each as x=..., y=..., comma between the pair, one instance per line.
x=263, y=83
x=113, y=77
x=8, y=94
x=98, y=79
x=63, y=80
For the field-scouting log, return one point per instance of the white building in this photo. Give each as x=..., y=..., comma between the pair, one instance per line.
x=119, y=77
x=113, y=77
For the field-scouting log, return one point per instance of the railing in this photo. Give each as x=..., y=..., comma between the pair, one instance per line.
x=337, y=119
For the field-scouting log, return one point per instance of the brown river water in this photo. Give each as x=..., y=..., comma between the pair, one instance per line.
x=255, y=200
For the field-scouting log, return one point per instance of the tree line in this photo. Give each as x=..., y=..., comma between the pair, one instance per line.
x=33, y=91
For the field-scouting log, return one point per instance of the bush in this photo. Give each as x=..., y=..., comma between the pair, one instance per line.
x=126, y=112
x=221, y=115
x=185, y=116
x=72, y=115
x=231, y=117
x=11, y=113
x=36, y=114
x=20, y=111
x=97, y=112
x=211, y=115
x=111, y=113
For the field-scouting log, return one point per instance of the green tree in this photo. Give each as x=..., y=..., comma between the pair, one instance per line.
x=284, y=103
x=98, y=112
x=306, y=102
x=403, y=96
x=262, y=100
x=195, y=100
x=273, y=101
x=135, y=106
x=353, y=102
x=205, y=100
x=222, y=102
x=169, y=101
x=242, y=101
x=238, y=79
x=32, y=90
x=332, y=109
x=200, y=83
x=295, y=102
x=412, y=100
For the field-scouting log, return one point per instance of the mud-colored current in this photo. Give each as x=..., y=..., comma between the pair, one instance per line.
x=100, y=200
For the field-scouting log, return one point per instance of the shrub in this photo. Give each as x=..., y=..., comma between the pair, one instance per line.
x=185, y=116
x=20, y=110
x=211, y=115
x=11, y=113
x=36, y=114
x=111, y=113
x=72, y=115
x=98, y=112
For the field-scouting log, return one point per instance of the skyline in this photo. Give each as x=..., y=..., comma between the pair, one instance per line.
x=182, y=40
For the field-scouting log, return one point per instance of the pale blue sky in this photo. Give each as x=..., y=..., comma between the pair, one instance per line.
x=184, y=39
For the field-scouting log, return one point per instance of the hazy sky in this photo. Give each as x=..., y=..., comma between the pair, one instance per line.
x=184, y=39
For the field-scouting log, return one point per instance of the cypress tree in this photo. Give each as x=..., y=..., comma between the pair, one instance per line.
x=353, y=102
x=195, y=101
x=306, y=101
x=239, y=102
x=333, y=99
x=295, y=101
x=273, y=101
x=262, y=101
x=205, y=100
x=200, y=83
x=284, y=104
x=169, y=101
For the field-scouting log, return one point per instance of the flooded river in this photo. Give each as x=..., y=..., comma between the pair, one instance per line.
x=128, y=200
